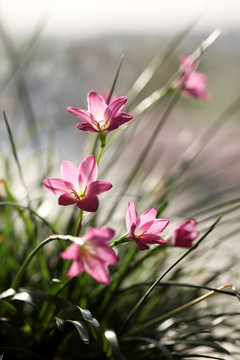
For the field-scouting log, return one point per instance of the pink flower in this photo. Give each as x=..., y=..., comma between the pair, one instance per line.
x=194, y=82
x=92, y=254
x=184, y=234
x=144, y=229
x=78, y=185
x=100, y=116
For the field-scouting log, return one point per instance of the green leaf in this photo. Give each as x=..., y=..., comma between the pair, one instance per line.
x=157, y=344
x=113, y=341
x=203, y=343
x=76, y=312
x=79, y=326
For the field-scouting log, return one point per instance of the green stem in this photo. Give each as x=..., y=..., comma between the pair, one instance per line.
x=79, y=223
x=22, y=269
x=100, y=154
x=121, y=240
x=102, y=137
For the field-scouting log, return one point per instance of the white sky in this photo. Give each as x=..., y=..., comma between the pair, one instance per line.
x=84, y=18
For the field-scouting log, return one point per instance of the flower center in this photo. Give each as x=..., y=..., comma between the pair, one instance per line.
x=79, y=196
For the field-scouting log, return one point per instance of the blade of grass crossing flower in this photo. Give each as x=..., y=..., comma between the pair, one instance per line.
x=115, y=79
x=141, y=301
x=155, y=98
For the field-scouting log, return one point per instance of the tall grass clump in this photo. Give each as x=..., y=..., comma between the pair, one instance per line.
x=134, y=257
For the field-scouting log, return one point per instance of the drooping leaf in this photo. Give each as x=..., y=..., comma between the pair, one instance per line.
x=113, y=341
x=157, y=344
x=79, y=326
x=208, y=343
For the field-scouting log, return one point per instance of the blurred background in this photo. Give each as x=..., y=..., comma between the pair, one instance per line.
x=52, y=53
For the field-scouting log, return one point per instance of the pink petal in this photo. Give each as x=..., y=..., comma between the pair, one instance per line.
x=69, y=173
x=103, y=234
x=75, y=269
x=57, y=185
x=114, y=107
x=152, y=239
x=106, y=254
x=86, y=127
x=96, y=268
x=158, y=226
x=141, y=245
x=71, y=253
x=81, y=114
x=96, y=105
x=148, y=215
x=66, y=199
x=141, y=228
x=89, y=204
x=98, y=187
x=122, y=118
x=131, y=216
x=88, y=170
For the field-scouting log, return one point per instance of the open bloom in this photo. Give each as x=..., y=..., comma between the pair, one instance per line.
x=92, y=254
x=100, y=116
x=144, y=229
x=194, y=82
x=184, y=234
x=78, y=184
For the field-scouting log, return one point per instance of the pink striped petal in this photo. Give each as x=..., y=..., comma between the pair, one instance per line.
x=142, y=228
x=114, y=107
x=158, y=226
x=103, y=234
x=98, y=187
x=81, y=114
x=152, y=239
x=141, y=245
x=69, y=173
x=96, y=105
x=89, y=204
x=88, y=170
x=66, y=199
x=131, y=216
x=76, y=269
x=71, y=253
x=148, y=215
x=57, y=185
x=86, y=127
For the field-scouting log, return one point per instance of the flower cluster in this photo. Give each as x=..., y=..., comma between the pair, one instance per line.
x=79, y=185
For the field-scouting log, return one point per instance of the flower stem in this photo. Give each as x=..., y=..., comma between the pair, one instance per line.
x=102, y=137
x=121, y=240
x=79, y=224
x=22, y=269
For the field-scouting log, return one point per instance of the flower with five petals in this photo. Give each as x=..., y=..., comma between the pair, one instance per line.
x=144, y=229
x=92, y=254
x=101, y=117
x=78, y=184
